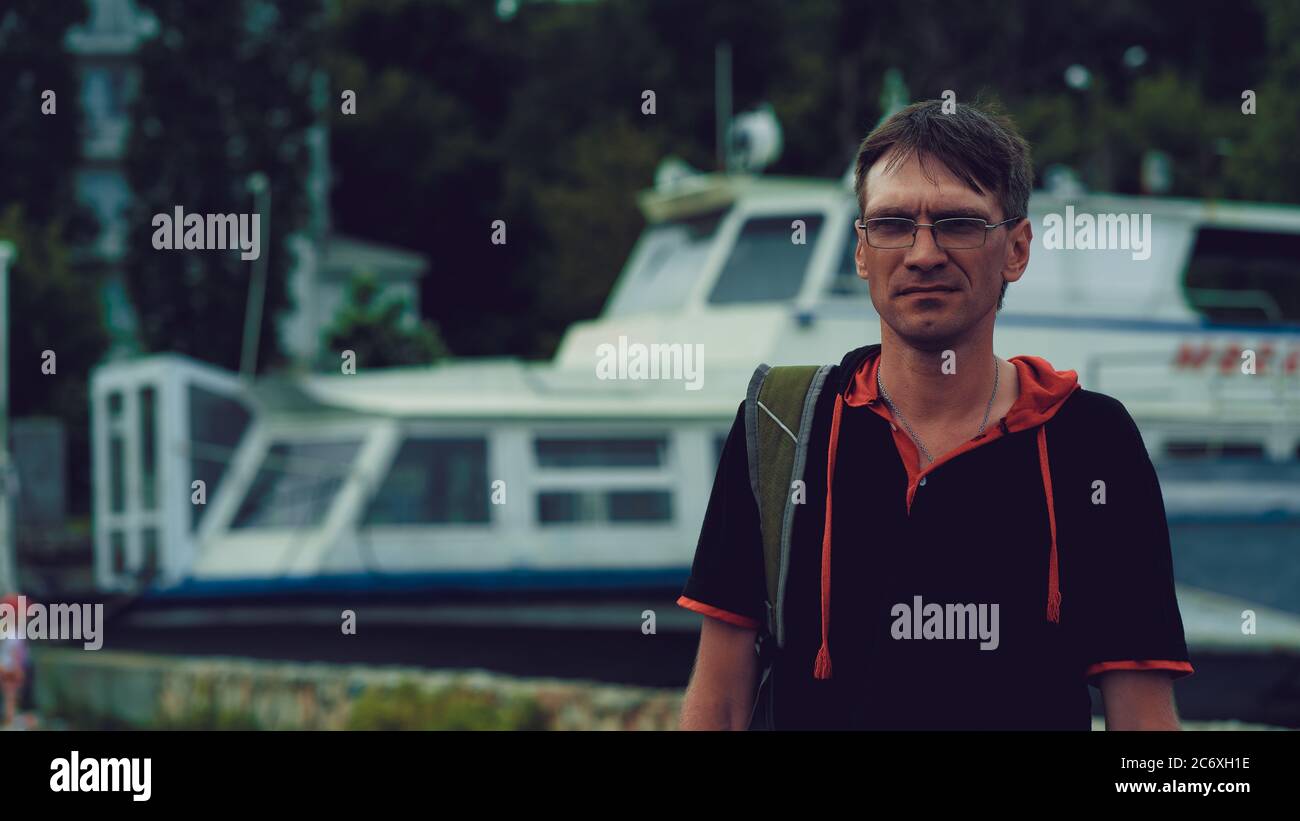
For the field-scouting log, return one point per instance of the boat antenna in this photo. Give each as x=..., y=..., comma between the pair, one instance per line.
x=893, y=94
x=893, y=99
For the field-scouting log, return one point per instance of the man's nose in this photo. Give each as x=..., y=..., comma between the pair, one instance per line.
x=925, y=253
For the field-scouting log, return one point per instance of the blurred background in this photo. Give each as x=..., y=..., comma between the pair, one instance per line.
x=396, y=412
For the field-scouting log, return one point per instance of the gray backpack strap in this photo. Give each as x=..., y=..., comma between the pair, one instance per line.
x=751, y=426
x=779, y=410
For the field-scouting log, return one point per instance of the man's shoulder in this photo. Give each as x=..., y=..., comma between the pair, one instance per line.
x=837, y=374
x=1095, y=410
x=1095, y=426
x=832, y=380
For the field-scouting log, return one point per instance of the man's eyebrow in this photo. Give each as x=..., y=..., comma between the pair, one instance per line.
x=889, y=211
x=950, y=213
x=943, y=213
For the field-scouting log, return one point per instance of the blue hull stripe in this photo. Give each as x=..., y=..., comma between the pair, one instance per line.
x=515, y=580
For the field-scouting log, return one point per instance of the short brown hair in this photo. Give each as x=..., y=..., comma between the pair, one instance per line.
x=981, y=146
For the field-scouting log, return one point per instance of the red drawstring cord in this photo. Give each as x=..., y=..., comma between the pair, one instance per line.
x=1053, y=580
x=822, y=666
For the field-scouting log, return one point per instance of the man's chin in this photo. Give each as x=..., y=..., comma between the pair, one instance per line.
x=928, y=332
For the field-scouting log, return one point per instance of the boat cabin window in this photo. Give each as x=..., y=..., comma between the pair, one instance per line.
x=603, y=507
x=117, y=552
x=117, y=473
x=845, y=281
x=148, y=448
x=433, y=481
x=296, y=484
x=600, y=453
x=1201, y=449
x=116, y=455
x=217, y=423
x=586, y=497
x=766, y=264
x=1244, y=276
x=149, y=564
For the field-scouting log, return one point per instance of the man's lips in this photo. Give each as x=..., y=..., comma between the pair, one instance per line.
x=928, y=289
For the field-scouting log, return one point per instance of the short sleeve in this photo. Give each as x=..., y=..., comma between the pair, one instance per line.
x=1127, y=610
x=727, y=580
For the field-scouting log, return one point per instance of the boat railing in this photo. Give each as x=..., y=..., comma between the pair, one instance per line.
x=1146, y=375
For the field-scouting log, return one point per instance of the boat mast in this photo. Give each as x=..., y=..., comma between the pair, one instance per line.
x=722, y=101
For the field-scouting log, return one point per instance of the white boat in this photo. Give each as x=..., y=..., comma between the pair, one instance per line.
x=514, y=479
x=506, y=473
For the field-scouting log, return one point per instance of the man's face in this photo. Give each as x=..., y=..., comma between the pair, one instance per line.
x=968, y=280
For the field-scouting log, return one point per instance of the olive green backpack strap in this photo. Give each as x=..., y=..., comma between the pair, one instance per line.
x=778, y=424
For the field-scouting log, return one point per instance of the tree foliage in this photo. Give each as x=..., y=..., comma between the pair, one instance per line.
x=40, y=151
x=226, y=91
x=374, y=328
x=54, y=304
x=536, y=120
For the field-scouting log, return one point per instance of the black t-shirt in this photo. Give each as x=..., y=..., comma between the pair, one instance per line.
x=976, y=534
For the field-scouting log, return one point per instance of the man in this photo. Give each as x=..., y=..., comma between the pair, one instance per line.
x=13, y=667
x=998, y=532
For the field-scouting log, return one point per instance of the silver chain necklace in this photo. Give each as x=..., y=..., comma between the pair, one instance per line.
x=894, y=410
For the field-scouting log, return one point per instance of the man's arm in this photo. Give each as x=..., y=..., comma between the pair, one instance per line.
x=1121, y=586
x=720, y=695
x=1138, y=700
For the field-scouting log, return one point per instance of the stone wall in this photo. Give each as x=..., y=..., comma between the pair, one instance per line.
x=104, y=689
x=79, y=690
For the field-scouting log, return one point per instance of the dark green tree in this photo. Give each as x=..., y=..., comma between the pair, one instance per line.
x=227, y=89
x=40, y=151
x=1265, y=165
x=420, y=165
x=54, y=305
x=373, y=328
x=535, y=119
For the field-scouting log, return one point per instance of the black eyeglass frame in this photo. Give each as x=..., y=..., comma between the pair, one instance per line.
x=862, y=226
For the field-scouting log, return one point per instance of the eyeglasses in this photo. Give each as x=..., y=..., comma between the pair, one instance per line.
x=957, y=233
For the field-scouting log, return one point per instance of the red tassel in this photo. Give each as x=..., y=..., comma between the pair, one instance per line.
x=1054, y=606
x=822, y=667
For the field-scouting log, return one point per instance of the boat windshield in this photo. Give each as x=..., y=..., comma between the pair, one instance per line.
x=296, y=483
x=666, y=265
x=1244, y=276
x=768, y=263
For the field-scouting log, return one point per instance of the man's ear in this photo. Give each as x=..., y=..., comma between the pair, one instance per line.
x=860, y=257
x=1018, y=245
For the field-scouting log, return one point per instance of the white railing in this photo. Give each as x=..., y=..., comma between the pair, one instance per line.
x=1224, y=396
